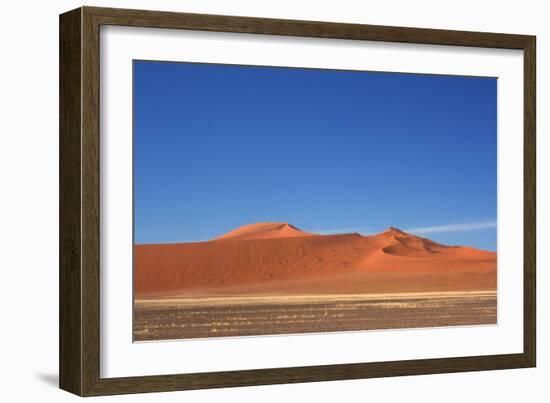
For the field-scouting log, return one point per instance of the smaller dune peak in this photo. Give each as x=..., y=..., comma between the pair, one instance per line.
x=395, y=230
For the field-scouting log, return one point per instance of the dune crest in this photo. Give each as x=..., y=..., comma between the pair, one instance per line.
x=278, y=258
x=401, y=243
x=265, y=230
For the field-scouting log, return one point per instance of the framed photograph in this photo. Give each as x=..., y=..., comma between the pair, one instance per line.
x=248, y=201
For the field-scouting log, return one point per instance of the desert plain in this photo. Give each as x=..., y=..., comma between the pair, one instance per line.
x=272, y=278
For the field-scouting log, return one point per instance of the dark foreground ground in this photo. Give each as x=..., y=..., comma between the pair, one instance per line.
x=162, y=319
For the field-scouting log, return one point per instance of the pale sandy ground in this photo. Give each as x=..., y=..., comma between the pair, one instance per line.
x=304, y=299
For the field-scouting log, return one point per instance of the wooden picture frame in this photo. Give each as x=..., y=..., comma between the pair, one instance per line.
x=79, y=348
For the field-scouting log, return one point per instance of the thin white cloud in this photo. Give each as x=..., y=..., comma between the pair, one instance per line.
x=471, y=226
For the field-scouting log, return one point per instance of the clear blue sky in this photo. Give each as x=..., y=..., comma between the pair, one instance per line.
x=217, y=147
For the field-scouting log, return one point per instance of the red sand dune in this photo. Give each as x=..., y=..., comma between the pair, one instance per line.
x=278, y=258
x=267, y=230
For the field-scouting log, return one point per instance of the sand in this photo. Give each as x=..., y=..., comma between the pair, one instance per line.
x=266, y=230
x=279, y=259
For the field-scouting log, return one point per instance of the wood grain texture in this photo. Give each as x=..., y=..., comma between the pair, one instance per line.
x=79, y=201
x=70, y=314
x=530, y=203
x=316, y=29
x=90, y=202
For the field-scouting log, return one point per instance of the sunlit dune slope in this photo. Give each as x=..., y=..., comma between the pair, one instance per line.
x=265, y=230
x=278, y=258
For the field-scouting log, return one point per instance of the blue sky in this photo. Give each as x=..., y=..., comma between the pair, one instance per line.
x=218, y=146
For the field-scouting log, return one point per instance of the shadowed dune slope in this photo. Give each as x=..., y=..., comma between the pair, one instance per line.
x=278, y=258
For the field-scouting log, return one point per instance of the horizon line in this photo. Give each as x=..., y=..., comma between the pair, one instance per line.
x=469, y=226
